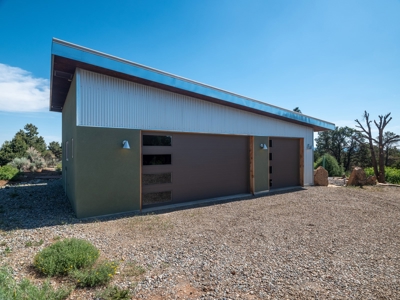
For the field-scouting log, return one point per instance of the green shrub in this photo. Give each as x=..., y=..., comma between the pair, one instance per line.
x=392, y=175
x=8, y=172
x=95, y=276
x=59, y=167
x=10, y=289
x=331, y=165
x=369, y=171
x=114, y=293
x=62, y=257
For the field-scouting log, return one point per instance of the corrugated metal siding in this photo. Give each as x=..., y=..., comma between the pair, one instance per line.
x=105, y=101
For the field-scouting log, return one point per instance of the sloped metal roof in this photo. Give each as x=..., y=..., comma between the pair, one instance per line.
x=66, y=57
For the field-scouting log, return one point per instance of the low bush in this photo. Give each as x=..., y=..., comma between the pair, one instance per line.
x=59, y=167
x=392, y=175
x=21, y=163
x=62, y=257
x=100, y=274
x=12, y=290
x=331, y=165
x=114, y=293
x=8, y=172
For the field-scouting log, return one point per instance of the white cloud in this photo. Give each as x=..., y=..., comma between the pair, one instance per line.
x=21, y=92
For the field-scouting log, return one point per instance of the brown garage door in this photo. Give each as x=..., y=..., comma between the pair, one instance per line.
x=284, y=162
x=180, y=167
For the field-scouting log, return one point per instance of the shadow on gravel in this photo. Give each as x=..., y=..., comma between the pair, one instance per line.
x=32, y=206
x=157, y=209
x=45, y=204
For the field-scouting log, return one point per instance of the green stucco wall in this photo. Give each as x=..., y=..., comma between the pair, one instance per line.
x=69, y=134
x=107, y=178
x=261, y=165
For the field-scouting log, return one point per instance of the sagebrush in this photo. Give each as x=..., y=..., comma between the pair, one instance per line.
x=62, y=257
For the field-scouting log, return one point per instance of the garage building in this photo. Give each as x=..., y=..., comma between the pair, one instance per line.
x=135, y=137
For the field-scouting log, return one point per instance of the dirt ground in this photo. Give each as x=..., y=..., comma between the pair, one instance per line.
x=312, y=243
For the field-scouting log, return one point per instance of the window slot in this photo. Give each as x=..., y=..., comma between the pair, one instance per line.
x=160, y=178
x=156, y=159
x=158, y=197
x=66, y=150
x=270, y=169
x=157, y=140
x=270, y=156
x=270, y=143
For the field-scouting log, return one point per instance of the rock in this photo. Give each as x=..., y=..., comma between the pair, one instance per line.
x=321, y=176
x=357, y=177
x=371, y=180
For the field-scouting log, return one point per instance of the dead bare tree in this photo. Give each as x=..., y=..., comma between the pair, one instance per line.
x=380, y=142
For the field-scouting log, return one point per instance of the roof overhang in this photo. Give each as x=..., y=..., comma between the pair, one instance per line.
x=66, y=57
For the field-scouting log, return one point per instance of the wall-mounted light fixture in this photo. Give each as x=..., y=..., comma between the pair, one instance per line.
x=309, y=146
x=264, y=146
x=125, y=145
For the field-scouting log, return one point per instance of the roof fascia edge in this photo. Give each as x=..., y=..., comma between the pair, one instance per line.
x=78, y=53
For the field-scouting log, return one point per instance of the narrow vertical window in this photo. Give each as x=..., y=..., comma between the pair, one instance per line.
x=270, y=143
x=66, y=150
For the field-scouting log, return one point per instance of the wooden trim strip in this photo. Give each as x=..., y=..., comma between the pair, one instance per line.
x=141, y=171
x=301, y=161
x=251, y=156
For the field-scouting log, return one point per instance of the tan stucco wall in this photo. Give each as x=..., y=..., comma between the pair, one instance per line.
x=69, y=134
x=107, y=176
x=261, y=165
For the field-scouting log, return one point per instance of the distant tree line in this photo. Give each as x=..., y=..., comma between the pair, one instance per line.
x=25, y=143
x=357, y=147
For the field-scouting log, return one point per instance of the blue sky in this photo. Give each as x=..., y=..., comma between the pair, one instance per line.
x=333, y=59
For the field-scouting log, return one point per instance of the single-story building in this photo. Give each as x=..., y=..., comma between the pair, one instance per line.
x=134, y=137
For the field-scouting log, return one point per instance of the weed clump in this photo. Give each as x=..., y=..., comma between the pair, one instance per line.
x=100, y=274
x=10, y=289
x=114, y=293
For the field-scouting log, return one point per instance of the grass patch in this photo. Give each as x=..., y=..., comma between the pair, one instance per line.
x=34, y=244
x=114, y=293
x=65, y=256
x=132, y=269
x=150, y=223
x=10, y=289
x=100, y=274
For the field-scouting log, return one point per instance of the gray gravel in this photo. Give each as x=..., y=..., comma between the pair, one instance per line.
x=316, y=243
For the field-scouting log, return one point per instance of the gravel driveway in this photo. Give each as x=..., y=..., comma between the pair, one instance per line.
x=315, y=243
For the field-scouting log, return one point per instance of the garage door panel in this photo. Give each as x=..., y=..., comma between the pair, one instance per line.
x=204, y=166
x=285, y=162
